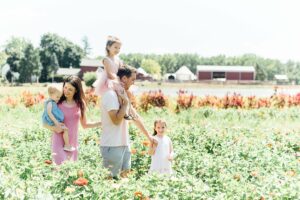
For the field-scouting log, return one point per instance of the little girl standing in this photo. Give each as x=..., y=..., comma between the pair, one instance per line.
x=108, y=78
x=161, y=153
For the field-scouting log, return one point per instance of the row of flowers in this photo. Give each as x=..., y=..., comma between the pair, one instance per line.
x=184, y=100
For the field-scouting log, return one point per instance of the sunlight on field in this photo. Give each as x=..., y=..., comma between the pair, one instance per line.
x=221, y=154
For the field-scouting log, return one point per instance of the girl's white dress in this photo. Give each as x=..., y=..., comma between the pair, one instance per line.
x=159, y=160
x=103, y=82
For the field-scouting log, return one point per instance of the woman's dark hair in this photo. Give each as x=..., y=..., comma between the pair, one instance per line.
x=110, y=41
x=79, y=96
x=156, y=122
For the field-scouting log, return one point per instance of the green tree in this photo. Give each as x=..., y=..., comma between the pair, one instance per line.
x=86, y=46
x=14, y=49
x=67, y=54
x=151, y=66
x=30, y=64
x=3, y=58
x=261, y=73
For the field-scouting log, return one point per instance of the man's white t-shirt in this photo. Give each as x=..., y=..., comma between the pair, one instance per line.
x=112, y=135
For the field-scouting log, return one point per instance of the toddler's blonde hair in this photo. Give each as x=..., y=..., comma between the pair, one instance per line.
x=52, y=89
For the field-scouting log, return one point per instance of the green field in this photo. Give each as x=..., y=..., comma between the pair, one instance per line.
x=221, y=154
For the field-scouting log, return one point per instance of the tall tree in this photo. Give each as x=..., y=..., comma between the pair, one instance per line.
x=14, y=50
x=261, y=73
x=67, y=53
x=3, y=58
x=152, y=67
x=30, y=64
x=86, y=46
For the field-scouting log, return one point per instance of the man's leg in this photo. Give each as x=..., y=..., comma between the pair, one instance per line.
x=126, y=165
x=112, y=159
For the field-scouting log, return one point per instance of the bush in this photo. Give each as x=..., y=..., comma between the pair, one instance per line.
x=153, y=99
x=89, y=78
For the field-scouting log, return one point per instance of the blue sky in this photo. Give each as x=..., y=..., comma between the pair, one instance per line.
x=268, y=28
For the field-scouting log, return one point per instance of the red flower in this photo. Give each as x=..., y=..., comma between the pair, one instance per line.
x=81, y=182
x=146, y=143
x=49, y=162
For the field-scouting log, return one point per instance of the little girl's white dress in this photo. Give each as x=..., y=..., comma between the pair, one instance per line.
x=103, y=83
x=159, y=160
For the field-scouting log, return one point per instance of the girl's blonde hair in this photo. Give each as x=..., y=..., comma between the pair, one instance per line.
x=54, y=89
x=110, y=41
x=159, y=121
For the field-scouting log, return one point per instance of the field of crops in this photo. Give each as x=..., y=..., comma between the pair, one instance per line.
x=221, y=154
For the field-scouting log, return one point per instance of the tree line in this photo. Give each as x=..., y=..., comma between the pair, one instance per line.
x=56, y=51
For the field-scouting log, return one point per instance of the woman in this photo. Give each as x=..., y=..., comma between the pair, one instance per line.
x=73, y=107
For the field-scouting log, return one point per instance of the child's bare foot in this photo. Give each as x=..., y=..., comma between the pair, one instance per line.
x=69, y=148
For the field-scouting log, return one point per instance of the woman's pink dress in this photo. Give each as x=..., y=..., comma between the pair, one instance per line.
x=72, y=116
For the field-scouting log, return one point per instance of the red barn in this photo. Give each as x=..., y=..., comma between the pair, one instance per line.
x=89, y=65
x=215, y=72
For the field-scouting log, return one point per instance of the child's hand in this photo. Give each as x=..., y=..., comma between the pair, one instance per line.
x=63, y=126
x=58, y=129
x=170, y=157
x=153, y=140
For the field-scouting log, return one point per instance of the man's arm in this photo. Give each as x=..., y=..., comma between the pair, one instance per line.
x=139, y=124
x=117, y=116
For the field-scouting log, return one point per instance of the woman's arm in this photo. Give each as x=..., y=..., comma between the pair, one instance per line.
x=56, y=129
x=85, y=124
x=108, y=69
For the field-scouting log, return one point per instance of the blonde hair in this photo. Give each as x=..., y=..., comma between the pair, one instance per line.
x=159, y=121
x=52, y=89
x=110, y=41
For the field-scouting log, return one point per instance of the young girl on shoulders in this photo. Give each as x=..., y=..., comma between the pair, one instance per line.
x=108, y=78
x=161, y=152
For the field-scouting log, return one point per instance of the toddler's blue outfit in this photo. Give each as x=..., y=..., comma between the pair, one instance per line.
x=58, y=114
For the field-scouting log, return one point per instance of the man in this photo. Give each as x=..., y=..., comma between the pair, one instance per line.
x=114, y=142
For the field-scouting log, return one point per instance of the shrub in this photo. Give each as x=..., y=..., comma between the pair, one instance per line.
x=90, y=97
x=184, y=100
x=153, y=99
x=89, y=78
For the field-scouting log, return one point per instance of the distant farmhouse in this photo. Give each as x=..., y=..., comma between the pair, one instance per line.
x=281, y=78
x=215, y=72
x=143, y=75
x=182, y=74
x=90, y=65
x=68, y=71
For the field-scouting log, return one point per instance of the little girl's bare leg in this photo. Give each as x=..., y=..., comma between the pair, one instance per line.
x=66, y=138
x=67, y=146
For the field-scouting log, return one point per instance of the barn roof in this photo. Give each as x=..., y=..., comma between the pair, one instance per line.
x=281, y=77
x=142, y=71
x=68, y=71
x=184, y=70
x=90, y=63
x=218, y=68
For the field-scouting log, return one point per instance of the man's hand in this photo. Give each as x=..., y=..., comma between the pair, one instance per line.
x=152, y=140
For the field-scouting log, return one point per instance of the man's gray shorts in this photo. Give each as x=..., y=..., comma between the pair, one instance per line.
x=116, y=159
